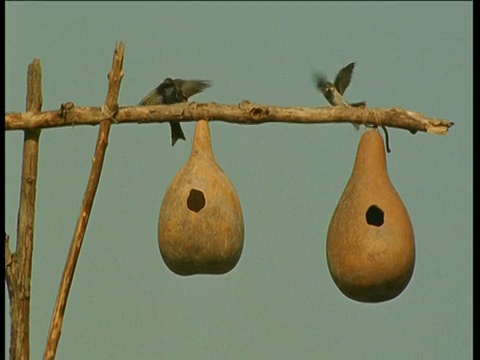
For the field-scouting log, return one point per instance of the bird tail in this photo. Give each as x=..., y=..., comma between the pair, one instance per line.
x=360, y=104
x=176, y=132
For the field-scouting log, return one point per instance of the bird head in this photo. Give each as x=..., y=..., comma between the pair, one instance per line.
x=323, y=84
x=328, y=88
x=169, y=91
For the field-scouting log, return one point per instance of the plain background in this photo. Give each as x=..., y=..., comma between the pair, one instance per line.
x=280, y=301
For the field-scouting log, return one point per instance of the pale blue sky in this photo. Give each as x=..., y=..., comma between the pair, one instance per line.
x=280, y=301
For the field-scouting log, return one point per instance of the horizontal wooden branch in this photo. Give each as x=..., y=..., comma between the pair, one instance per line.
x=242, y=113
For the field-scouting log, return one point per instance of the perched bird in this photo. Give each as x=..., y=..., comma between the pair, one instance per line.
x=172, y=92
x=334, y=92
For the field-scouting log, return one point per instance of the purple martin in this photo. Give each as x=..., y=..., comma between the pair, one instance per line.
x=334, y=92
x=172, y=92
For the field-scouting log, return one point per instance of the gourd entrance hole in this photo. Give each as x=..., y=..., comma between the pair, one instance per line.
x=196, y=200
x=374, y=216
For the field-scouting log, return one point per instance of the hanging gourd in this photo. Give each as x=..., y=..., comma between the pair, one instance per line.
x=200, y=229
x=370, y=240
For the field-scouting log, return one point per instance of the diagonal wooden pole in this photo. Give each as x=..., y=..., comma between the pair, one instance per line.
x=109, y=109
x=18, y=265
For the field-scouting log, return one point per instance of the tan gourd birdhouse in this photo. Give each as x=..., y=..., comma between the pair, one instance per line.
x=200, y=228
x=370, y=240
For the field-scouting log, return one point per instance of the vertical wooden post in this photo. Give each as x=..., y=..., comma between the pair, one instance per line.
x=18, y=266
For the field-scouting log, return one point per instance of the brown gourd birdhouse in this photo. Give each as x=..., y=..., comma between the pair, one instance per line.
x=200, y=228
x=370, y=240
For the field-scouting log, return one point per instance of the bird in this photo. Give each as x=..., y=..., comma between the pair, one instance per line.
x=172, y=92
x=334, y=92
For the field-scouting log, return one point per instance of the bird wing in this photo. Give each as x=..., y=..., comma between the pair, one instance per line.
x=320, y=80
x=153, y=98
x=343, y=78
x=191, y=87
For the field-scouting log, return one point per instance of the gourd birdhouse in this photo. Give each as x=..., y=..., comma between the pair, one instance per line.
x=370, y=240
x=200, y=229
